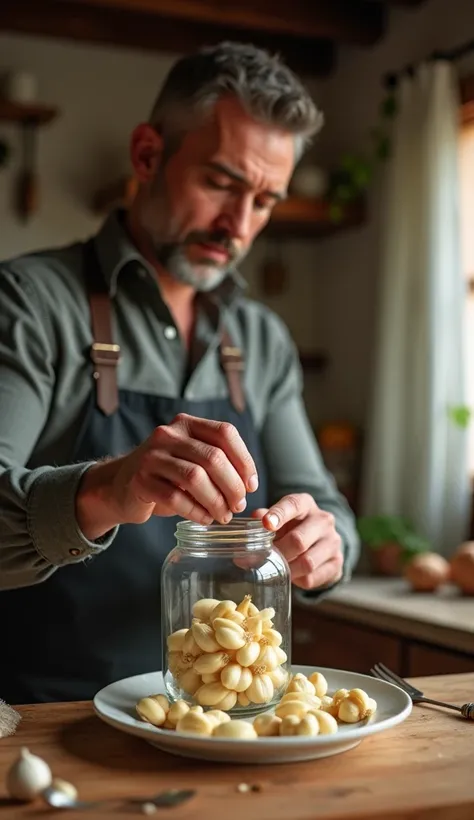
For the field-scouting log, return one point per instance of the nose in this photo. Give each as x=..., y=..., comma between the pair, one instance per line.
x=236, y=217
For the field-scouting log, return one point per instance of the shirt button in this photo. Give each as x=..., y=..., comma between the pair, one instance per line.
x=170, y=332
x=75, y=552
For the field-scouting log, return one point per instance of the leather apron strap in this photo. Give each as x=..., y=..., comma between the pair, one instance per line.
x=105, y=354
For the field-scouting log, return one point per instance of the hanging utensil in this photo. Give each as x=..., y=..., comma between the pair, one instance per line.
x=28, y=189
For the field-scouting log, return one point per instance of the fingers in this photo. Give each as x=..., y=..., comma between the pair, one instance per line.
x=289, y=508
x=226, y=437
x=312, y=559
x=173, y=501
x=295, y=543
x=193, y=480
x=328, y=573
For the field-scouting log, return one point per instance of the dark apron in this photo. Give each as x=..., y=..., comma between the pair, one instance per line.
x=98, y=621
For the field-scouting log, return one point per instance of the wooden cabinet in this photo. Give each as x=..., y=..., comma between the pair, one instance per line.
x=430, y=660
x=325, y=640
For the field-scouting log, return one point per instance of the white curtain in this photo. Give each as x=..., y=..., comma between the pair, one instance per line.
x=416, y=458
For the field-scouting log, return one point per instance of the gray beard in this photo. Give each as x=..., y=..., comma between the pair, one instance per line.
x=204, y=277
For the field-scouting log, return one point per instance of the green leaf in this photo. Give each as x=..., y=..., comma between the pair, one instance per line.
x=389, y=107
x=460, y=415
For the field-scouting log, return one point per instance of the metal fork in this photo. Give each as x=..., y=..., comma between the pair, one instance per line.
x=379, y=670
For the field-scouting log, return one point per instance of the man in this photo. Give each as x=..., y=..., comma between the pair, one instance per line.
x=137, y=384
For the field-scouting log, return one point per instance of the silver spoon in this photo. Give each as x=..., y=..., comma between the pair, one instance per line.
x=57, y=799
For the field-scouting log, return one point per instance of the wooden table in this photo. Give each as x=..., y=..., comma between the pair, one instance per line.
x=421, y=769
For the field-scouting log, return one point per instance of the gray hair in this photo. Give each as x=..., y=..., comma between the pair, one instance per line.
x=267, y=89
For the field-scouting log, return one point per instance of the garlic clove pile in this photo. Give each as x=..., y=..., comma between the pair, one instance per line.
x=232, y=647
x=28, y=776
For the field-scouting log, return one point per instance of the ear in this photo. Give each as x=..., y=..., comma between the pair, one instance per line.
x=146, y=148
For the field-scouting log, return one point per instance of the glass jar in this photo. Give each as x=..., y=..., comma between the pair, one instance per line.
x=226, y=617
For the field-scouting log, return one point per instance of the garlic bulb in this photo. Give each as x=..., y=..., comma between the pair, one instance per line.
x=195, y=723
x=28, y=776
x=320, y=684
x=248, y=654
x=153, y=709
x=236, y=677
x=300, y=683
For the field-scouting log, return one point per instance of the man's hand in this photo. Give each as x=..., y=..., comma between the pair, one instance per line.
x=308, y=539
x=195, y=468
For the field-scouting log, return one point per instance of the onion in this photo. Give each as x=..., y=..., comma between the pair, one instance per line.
x=462, y=567
x=427, y=572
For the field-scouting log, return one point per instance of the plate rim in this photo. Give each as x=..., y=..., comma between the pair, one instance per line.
x=147, y=731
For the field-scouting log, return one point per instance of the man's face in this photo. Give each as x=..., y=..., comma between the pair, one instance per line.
x=215, y=194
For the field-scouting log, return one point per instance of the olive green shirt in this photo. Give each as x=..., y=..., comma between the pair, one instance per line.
x=46, y=382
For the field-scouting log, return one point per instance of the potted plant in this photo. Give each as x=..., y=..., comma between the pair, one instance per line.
x=391, y=541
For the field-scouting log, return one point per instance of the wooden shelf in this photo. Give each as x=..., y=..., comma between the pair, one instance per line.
x=34, y=114
x=311, y=218
x=295, y=216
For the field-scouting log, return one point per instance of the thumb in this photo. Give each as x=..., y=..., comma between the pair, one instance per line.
x=259, y=513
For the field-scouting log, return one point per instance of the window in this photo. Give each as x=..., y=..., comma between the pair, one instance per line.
x=466, y=163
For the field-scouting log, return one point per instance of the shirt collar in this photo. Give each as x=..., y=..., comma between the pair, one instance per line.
x=115, y=250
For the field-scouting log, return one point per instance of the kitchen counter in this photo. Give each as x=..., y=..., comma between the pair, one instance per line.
x=444, y=618
x=419, y=769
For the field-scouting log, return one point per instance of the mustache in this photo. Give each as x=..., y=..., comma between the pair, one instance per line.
x=219, y=238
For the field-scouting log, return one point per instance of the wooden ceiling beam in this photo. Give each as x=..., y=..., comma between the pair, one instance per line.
x=88, y=22
x=354, y=21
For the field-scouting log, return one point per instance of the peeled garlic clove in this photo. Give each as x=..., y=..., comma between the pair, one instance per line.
x=300, y=683
x=266, y=625
x=210, y=694
x=173, y=662
x=28, y=776
x=267, y=658
x=175, y=641
x=282, y=657
x=190, y=681
x=272, y=637
x=320, y=684
x=218, y=716
x=244, y=605
x=151, y=711
x=252, y=610
x=236, y=677
x=64, y=787
x=349, y=712
x=228, y=702
x=326, y=704
x=203, y=608
x=211, y=662
x=303, y=696
x=240, y=729
x=299, y=708
x=196, y=723
x=289, y=725
x=261, y=689
x=243, y=699
x=327, y=723
x=190, y=647
x=371, y=708
x=267, y=725
x=229, y=635
x=205, y=638
x=168, y=725
x=214, y=678
x=253, y=626
x=236, y=617
x=338, y=697
x=222, y=609
x=177, y=711
x=248, y=654
x=362, y=700
x=278, y=677
x=308, y=725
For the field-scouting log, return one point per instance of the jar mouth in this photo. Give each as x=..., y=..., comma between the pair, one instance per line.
x=243, y=530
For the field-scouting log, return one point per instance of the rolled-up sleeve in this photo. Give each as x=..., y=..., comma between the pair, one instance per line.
x=38, y=527
x=293, y=459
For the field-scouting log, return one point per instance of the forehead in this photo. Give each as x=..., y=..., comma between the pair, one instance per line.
x=231, y=136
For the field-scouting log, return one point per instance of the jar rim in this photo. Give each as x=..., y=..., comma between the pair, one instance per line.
x=238, y=529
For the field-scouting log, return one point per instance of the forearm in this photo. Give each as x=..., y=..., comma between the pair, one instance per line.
x=39, y=531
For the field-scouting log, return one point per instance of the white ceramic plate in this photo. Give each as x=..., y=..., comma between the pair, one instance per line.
x=115, y=704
